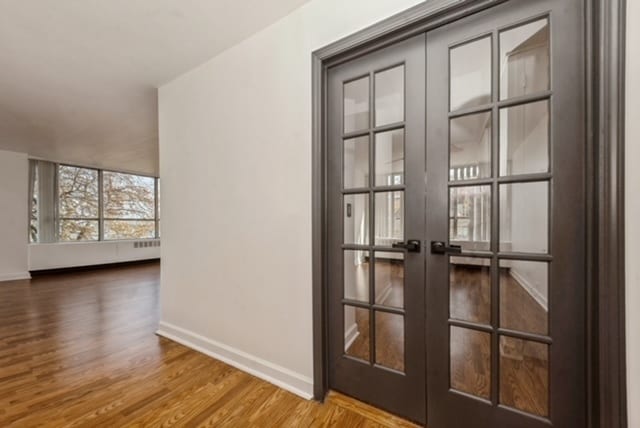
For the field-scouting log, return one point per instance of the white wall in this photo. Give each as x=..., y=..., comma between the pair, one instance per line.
x=633, y=212
x=74, y=254
x=235, y=160
x=14, y=212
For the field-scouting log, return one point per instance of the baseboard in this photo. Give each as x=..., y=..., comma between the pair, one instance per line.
x=384, y=294
x=105, y=265
x=272, y=373
x=350, y=336
x=17, y=276
x=539, y=298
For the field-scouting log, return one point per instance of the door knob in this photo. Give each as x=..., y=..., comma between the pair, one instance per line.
x=439, y=247
x=412, y=245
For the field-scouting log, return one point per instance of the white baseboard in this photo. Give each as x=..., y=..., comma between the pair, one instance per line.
x=350, y=336
x=537, y=296
x=384, y=294
x=272, y=373
x=15, y=276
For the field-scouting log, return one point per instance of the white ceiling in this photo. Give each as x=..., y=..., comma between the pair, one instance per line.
x=78, y=78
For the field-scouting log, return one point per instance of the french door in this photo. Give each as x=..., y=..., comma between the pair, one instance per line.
x=456, y=211
x=376, y=300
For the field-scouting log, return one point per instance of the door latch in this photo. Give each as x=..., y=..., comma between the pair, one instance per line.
x=412, y=245
x=439, y=247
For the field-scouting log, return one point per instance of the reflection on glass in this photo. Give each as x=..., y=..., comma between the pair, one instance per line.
x=470, y=74
x=470, y=217
x=390, y=340
x=390, y=158
x=78, y=230
x=470, y=361
x=356, y=105
x=524, y=139
x=356, y=162
x=389, y=87
x=356, y=219
x=524, y=59
x=524, y=375
x=389, y=215
x=524, y=217
x=470, y=147
x=356, y=332
x=470, y=289
x=524, y=293
x=389, y=279
x=356, y=275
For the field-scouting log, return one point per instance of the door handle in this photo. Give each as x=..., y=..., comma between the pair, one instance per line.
x=412, y=245
x=439, y=247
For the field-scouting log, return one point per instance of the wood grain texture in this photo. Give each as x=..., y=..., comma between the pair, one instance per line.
x=79, y=350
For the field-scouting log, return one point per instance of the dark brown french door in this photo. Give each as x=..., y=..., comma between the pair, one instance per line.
x=456, y=212
x=376, y=179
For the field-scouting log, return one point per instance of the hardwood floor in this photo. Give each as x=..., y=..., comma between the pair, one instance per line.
x=79, y=349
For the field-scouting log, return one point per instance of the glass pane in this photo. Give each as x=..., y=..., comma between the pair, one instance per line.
x=78, y=230
x=390, y=340
x=356, y=275
x=470, y=289
x=524, y=375
x=390, y=96
x=389, y=217
x=390, y=158
x=524, y=296
x=356, y=162
x=389, y=277
x=356, y=219
x=524, y=139
x=524, y=59
x=470, y=361
x=470, y=147
x=524, y=222
x=77, y=193
x=356, y=332
x=129, y=229
x=127, y=196
x=470, y=74
x=356, y=105
x=470, y=217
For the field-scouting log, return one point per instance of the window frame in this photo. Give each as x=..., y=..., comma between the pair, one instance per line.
x=101, y=216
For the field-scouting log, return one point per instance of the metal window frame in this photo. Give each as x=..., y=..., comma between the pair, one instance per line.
x=101, y=217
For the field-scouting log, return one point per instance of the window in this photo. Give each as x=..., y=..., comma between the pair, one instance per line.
x=70, y=203
x=78, y=204
x=129, y=206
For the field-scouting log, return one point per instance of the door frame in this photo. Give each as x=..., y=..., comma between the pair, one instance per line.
x=605, y=94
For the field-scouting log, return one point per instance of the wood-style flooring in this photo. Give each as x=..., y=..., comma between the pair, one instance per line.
x=79, y=349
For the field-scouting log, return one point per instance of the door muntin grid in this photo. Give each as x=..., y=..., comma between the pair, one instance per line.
x=385, y=330
x=509, y=341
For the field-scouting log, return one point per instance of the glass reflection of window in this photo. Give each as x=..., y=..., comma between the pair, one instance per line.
x=469, y=214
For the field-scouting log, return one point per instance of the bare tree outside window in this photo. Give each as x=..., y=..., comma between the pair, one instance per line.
x=78, y=204
x=129, y=206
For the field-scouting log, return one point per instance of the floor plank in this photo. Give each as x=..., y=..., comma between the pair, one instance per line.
x=79, y=350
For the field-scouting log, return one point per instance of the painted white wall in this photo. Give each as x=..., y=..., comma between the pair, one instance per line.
x=235, y=160
x=633, y=212
x=14, y=212
x=74, y=254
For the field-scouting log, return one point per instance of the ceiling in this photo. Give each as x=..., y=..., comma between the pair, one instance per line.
x=78, y=78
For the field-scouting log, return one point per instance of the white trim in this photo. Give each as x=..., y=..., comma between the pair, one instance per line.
x=350, y=336
x=384, y=294
x=15, y=276
x=280, y=376
x=526, y=285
